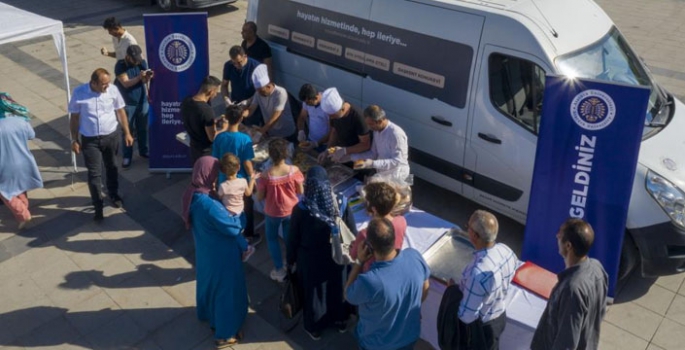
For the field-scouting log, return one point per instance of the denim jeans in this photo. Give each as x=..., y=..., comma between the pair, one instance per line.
x=137, y=120
x=271, y=227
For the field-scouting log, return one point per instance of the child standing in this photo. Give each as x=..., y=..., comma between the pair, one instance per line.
x=279, y=189
x=233, y=191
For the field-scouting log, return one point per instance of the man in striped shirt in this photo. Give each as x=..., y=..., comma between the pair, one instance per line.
x=485, y=283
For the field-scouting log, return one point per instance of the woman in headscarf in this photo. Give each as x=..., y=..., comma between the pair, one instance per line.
x=221, y=292
x=19, y=171
x=309, y=246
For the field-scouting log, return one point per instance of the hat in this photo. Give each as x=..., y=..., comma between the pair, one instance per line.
x=136, y=53
x=260, y=76
x=331, y=102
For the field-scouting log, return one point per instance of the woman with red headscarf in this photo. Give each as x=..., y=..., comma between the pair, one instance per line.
x=221, y=290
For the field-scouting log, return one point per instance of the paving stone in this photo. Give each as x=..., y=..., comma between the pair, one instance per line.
x=57, y=333
x=184, y=332
x=670, y=336
x=677, y=310
x=614, y=338
x=93, y=313
x=120, y=333
x=657, y=299
x=634, y=319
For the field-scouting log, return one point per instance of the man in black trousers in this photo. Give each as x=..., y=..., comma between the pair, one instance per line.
x=96, y=110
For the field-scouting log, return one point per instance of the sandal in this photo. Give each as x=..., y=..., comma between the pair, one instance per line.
x=225, y=343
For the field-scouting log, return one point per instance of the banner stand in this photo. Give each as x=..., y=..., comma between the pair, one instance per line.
x=178, y=54
x=585, y=163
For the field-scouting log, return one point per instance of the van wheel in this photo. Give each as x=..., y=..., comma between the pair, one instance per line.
x=630, y=257
x=167, y=5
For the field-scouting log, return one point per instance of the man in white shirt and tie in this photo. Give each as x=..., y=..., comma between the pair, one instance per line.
x=389, y=149
x=96, y=109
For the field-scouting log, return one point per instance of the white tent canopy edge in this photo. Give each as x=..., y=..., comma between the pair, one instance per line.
x=18, y=25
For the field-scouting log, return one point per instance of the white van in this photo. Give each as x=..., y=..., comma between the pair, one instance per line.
x=465, y=80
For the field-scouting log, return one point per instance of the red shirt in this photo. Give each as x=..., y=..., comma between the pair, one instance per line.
x=280, y=192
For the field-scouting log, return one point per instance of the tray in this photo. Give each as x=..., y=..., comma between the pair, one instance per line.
x=338, y=174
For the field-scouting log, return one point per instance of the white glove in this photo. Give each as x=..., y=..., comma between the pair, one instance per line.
x=363, y=164
x=301, y=137
x=338, y=153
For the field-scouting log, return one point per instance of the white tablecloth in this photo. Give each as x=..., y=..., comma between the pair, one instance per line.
x=423, y=229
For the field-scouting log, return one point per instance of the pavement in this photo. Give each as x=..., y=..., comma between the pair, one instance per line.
x=128, y=283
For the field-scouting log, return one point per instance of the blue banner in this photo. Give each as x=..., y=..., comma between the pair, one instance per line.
x=178, y=53
x=585, y=164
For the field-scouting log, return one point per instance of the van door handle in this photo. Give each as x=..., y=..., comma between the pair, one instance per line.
x=441, y=121
x=489, y=138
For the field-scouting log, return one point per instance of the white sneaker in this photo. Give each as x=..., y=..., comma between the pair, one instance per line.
x=278, y=275
x=248, y=253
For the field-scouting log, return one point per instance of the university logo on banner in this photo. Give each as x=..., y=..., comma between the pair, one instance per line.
x=585, y=162
x=178, y=53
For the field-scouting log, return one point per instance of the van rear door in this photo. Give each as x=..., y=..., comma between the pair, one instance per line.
x=419, y=63
x=503, y=134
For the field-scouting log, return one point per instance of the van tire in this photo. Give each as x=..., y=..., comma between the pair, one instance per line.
x=630, y=257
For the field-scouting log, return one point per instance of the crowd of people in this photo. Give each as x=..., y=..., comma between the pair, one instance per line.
x=384, y=286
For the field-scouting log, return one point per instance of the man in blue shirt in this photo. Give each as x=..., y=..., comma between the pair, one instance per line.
x=239, y=144
x=390, y=294
x=238, y=73
x=132, y=74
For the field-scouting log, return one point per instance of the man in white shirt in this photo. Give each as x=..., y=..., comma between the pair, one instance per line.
x=389, y=149
x=313, y=117
x=273, y=102
x=96, y=109
x=121, y=39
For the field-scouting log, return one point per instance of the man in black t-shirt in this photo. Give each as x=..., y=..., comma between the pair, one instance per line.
x=255, y=47
x=349, y=132
x=199, y=120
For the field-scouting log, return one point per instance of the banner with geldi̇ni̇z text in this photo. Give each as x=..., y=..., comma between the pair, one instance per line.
x=178, y=54
x=585, y=164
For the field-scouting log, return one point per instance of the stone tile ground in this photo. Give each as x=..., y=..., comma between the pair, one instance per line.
x=129, y=282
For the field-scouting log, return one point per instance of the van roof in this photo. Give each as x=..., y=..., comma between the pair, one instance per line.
x=568, y=25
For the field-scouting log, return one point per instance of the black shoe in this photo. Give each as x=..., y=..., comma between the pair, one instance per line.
x=254, y=239
x=341, y=326
x=117, y=202
x=99, y=216
x=146, y=156
x=313, y=335
x=126, y=163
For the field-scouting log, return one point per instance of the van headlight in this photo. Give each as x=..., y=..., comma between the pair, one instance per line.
x=670, y=198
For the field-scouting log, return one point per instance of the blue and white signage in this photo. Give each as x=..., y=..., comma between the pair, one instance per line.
x=587, y=150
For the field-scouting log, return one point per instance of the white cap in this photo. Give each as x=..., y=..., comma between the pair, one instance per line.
x=331, y=102
x=260, y=76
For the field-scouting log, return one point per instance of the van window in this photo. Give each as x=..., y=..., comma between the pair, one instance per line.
x=516, y=88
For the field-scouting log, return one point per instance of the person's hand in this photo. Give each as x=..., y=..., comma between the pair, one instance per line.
x=103, y=51
x=364, y=254
x=264, y=131
x=246, y=113
x=363, y=164
x=227, y=101
x=338, y=153
x=128, y=139
x=301, y=136
x=76, y=147
x=322, y=157
x=248, y=253
x=255, y=176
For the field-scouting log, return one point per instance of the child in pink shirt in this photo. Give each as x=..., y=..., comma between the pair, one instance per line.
x=380, y=200
x=279, y=188
x=233, y=191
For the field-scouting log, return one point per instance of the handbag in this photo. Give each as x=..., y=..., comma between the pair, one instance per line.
x=290, y=304
x=341, y=238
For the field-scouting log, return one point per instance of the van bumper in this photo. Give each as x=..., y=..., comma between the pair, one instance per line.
x=198, y=4
x=662, y=248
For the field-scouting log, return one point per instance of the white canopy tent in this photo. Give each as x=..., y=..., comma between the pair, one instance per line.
x=17, y=24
